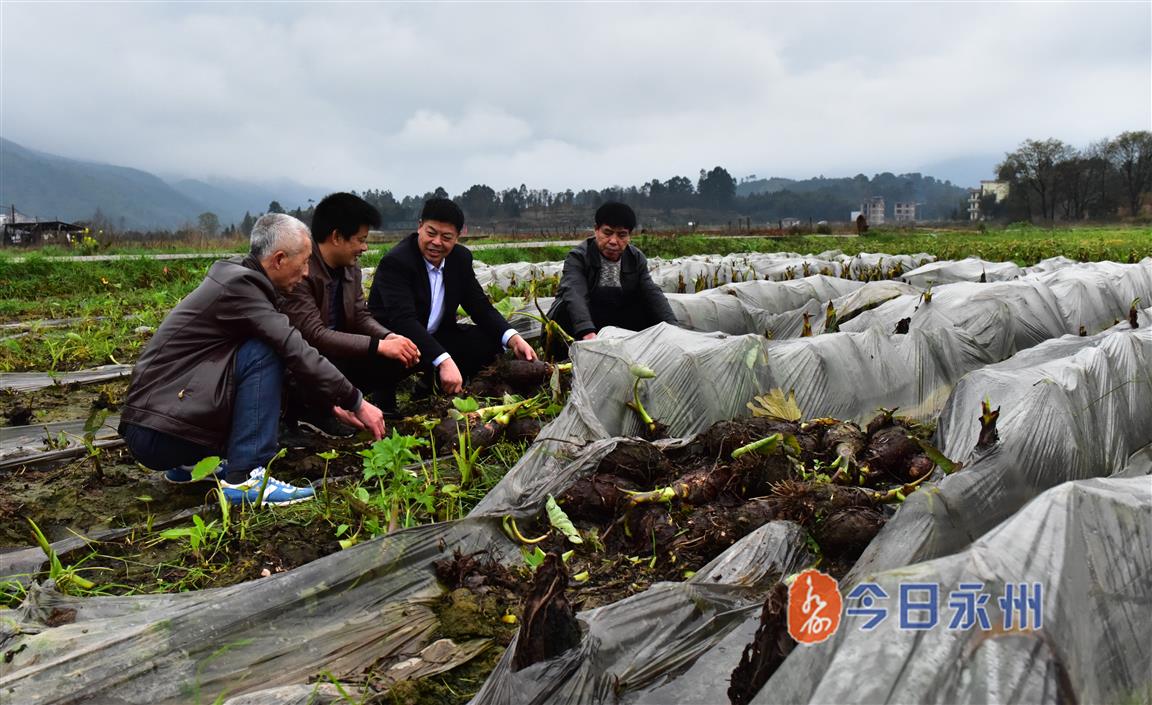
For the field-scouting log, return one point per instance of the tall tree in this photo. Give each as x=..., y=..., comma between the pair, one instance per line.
x=247, y=223
x=1034, y=167
x=717, y=188
x=479, y=202
x=209, y=224
x=1131, y=155
x=275, y=207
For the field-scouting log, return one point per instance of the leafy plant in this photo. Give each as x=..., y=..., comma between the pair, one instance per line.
x=385, y=463
x=64, y=576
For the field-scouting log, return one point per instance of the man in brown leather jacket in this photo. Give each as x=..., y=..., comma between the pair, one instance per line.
x=209, y=381
x=329, y=310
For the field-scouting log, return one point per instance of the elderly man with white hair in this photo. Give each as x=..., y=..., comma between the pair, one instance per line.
x=209, y=381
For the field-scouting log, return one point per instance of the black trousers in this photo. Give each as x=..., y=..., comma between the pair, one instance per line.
x=377, y=377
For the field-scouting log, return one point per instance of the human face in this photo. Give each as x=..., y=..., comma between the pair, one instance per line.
x=612, y=241
x=287, y=270
x=435, y=240
x=346, y=251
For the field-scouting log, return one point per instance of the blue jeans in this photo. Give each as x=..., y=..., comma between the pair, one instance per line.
x=255, y=418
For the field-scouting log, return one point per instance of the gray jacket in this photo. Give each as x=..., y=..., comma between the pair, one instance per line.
x=183, y=384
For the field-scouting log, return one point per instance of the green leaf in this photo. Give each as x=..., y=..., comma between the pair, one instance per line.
x=465, y=405
x=937, y=457
x=328, y=455
x=560, y=520
x=205, y=467
x=95, y=420
x=534, y=557
x=641, y=371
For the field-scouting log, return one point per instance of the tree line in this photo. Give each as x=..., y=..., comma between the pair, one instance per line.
x=712, y=198
x=1050, y=180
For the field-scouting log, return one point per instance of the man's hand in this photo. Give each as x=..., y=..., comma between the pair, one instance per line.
x=399, y=348
x=451, y=381
x=589, y=336
x=368, y=417
x=521, y=348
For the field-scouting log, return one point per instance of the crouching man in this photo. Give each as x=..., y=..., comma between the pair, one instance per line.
x=606, y=282
x=329, y=310
x=420, y=284
x=209, y=381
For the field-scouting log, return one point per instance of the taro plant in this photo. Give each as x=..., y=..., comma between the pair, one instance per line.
x=400, y=492
x=202, y=535
x=641, y=373
x=65, y=576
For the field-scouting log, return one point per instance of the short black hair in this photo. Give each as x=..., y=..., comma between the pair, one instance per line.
x=617, y=215
x=443, y=210
x=344, y=213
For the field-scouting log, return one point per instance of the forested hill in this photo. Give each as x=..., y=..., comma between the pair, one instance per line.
x=832, y=199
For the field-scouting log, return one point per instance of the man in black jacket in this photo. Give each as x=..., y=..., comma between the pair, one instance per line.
x=419, y=284
x=208, y=383
x=606, y=281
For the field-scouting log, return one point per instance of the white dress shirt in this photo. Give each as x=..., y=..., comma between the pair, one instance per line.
x=436, y=311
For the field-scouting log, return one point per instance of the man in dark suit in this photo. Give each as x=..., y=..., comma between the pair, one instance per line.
x=417, y=288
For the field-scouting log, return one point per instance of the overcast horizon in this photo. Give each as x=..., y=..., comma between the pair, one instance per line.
x=411, y=97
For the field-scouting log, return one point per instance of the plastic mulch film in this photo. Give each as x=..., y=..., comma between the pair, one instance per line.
x=773, y=309
x=632, y=645
x=1050, y=540
x=704, y=378
x=338, y=614
x=25, y=445
x=1070, y=409
x=972, y=269
x=1080, y=554
x=1006, y=317
x=696, y=272
x=30, y=381
x=370, y=603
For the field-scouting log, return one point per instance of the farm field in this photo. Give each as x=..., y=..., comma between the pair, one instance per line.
x=931, y=407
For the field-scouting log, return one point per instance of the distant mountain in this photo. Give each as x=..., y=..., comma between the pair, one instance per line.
x=57, y=188
x=965, y=171
x=776, y=183
x=823, y=198
x=231, y=199
x=51, y=187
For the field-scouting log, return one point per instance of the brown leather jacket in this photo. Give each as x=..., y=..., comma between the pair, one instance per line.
x=308, y=308
x=183, y=383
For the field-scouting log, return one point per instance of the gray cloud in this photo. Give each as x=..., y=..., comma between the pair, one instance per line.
x=409, y=97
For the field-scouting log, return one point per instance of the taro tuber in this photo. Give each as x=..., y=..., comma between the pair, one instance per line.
x=768, y=649
x=549, y=625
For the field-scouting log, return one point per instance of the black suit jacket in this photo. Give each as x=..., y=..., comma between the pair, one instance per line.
x=401, y=298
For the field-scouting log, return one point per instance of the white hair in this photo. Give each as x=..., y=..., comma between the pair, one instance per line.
x=278, y=231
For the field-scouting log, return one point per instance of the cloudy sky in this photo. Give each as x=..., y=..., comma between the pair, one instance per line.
x=408, y=97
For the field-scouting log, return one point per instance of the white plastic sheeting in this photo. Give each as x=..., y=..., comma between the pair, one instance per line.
x=1071, y=408
x=1006, y=317
x=971, y=269
x=1088, y=544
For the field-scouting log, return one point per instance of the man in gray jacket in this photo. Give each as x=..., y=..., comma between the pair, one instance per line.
x=209, y=381
x=606, y=281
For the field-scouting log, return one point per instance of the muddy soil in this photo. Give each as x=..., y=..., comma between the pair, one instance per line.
x=59, y=403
